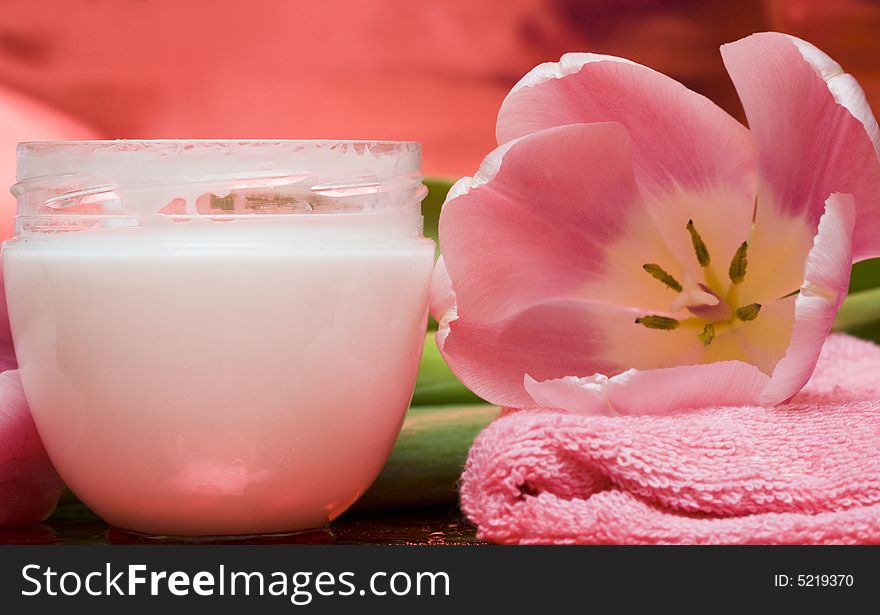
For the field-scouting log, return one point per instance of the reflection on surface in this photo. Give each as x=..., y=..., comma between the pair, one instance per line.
x=73, y=523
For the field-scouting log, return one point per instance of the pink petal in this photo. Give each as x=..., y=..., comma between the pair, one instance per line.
x=655, y=391
x=442, y=295
x=546, y=266
x=826, y=280
x=815, y=130
x=678, y=135
x=441, y=300
x=574, y=394
x=29, y=485
x=7, y=353
x=529, y=229
x=692, y=160
x=548, y=341
x=556, y=339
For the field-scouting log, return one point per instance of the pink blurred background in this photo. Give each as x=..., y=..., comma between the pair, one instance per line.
x=431, y=71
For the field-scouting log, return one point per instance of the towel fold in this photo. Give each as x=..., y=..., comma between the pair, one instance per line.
x=804, y=472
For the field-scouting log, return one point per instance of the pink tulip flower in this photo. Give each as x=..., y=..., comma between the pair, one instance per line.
x=629, y=248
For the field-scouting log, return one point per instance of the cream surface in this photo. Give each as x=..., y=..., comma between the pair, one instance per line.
x=222, y=383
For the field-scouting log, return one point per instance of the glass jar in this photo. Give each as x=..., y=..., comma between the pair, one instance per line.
x=218, y=337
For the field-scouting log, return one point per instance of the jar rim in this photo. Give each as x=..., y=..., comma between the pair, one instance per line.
x=187, y=158
x=64, y=182
x=39, y=144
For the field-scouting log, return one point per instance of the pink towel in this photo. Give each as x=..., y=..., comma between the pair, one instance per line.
x=804, y=472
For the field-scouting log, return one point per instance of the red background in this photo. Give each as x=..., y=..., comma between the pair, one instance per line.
x=434, y=71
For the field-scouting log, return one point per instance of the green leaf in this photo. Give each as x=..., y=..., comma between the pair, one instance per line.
x=427, y=460
x=865, y=275
x=438, y=187
x=860, y=315
x=436, y=384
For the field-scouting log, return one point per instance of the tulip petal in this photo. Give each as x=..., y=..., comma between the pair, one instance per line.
x=556, y=339
x=573, y=394
x=764, y=340
x=692, y=160
x=29, y=485
x=678, y=134
x=442, y=296
x=815, y=130
x=536, y=231
x=777, y=250
x=548, y=341
x=655, y=391
x=826, y=280
x=441, y=301
x=7, y=353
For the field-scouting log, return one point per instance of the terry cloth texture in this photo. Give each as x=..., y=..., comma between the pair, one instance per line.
x=803, y=472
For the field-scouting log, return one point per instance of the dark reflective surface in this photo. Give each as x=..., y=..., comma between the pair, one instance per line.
x=73, y=523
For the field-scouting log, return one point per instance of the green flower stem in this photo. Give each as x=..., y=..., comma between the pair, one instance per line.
x=436, y=384
x=427, y=460
x=859, y=310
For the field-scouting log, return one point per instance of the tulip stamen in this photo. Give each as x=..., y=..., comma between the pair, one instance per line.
x=700, y=248
x=661, y=274
x=658, y=322
x=738, y=263
x=708, y=334
x=748, y=312
x=715, y=315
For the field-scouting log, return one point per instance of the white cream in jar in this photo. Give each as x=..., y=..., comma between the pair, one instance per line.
x=218, y=337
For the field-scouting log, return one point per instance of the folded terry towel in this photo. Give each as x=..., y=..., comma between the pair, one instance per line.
x=803, y=472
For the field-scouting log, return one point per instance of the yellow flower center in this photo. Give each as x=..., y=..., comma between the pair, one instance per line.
x=715, y=309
